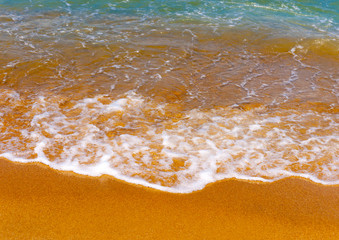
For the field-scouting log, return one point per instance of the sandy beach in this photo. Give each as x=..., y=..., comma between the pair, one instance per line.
x=206, y=120
x=37, y=202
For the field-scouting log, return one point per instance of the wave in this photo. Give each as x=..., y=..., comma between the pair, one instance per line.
x=141, y=141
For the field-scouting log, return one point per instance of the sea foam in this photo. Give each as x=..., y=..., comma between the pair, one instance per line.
x=141, y=141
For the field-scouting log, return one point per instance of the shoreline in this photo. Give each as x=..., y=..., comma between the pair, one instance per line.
x=37, y=202
x=156, y=187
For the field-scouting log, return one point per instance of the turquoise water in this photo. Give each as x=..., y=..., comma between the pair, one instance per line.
x=298, y=17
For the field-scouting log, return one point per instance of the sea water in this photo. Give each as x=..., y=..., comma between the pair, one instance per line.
x=172, y=95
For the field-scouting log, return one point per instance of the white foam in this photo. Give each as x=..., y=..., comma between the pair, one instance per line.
x=132, y=139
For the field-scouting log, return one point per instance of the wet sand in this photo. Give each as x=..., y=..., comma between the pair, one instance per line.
x=37, y=202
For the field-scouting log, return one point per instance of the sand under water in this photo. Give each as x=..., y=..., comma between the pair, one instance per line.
x=177, y=119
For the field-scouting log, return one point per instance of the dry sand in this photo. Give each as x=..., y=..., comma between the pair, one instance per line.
x=37, y=202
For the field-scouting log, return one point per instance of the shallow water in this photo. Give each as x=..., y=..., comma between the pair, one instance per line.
x=172, y=95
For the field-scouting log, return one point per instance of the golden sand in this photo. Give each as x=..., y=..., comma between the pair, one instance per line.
x=37, y=202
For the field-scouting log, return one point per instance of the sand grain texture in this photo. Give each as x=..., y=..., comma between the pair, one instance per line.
x=37, y=202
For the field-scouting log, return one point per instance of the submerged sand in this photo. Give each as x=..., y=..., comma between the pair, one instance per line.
x=37, y=202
